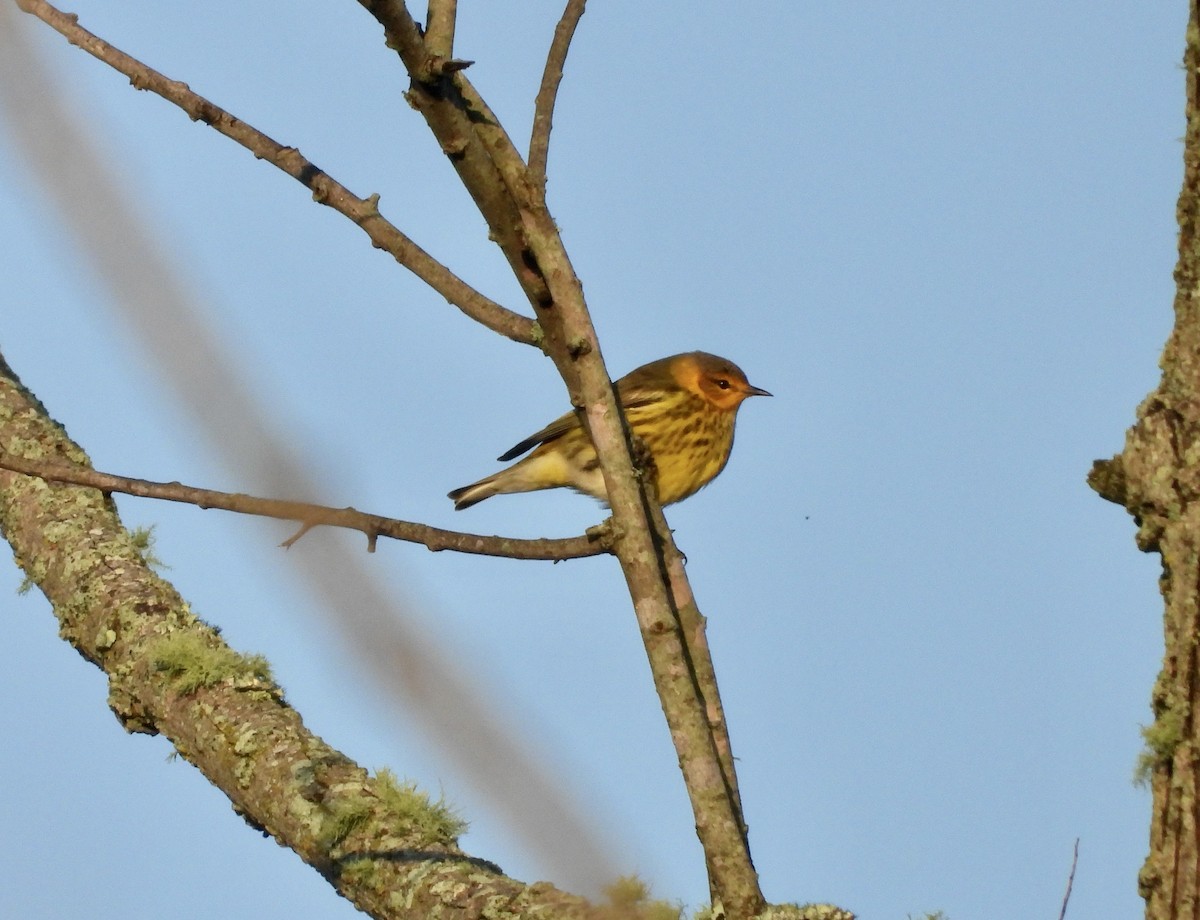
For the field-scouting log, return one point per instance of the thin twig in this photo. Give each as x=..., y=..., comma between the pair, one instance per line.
x=439, y=27
x=1070, y=881
x=326, y=190
x=593, y=543
x=543, y=109
x=477, y=145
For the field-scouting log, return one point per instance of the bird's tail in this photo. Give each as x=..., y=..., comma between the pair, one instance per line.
x=476, y=492
x=537, y=471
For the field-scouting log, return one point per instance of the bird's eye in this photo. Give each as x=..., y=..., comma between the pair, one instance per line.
x=723, y=384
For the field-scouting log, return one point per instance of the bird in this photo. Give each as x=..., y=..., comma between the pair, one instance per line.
x=683, y=408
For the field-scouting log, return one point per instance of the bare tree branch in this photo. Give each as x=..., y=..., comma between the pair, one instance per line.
x=593, y=543
x=423, y=684
x=439, y=27
x=501, y=185
x=326, y=190
x=475, y=142
x=1070, y=882
x=694, y=627
x=543, y=110
x=496, y=177
x=386, y=849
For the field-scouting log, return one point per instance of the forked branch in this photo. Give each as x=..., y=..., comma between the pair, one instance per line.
x=325, y=189
x=505, y=191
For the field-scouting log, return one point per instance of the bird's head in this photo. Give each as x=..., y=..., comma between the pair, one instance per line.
x=717, y=381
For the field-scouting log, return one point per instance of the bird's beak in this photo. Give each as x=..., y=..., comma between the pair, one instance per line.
x=757, y=391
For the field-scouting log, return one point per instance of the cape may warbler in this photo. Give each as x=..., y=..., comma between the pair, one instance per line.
x=683, y=408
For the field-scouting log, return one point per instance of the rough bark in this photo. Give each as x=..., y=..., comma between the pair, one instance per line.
x=385, y=847
x=1157, y=478
x=511, y=200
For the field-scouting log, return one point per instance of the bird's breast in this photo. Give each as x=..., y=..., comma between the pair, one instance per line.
x=689, y=451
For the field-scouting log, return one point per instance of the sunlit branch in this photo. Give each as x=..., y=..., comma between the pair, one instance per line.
x=439, y=27
x=171, y=674
x=501, y=185
x=595, y=542
x=325, y=189
x=543, y=111
x=513, y=205
x=474, y=141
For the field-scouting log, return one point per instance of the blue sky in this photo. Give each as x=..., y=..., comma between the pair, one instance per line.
x=941, y=234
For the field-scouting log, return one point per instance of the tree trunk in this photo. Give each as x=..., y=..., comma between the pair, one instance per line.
x=1157, y=478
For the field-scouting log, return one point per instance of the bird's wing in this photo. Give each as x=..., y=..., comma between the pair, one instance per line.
x=556, y=429
x=637, y=393
x=633, y=392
